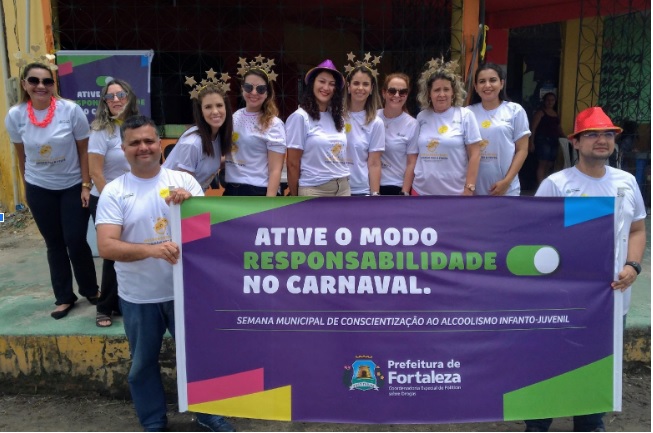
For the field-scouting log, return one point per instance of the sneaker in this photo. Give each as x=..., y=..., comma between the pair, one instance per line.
x=213, y=422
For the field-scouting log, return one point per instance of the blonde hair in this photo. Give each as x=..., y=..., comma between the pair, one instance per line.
x=438, y=69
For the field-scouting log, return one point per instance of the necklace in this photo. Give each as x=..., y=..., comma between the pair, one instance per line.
x=48, y=117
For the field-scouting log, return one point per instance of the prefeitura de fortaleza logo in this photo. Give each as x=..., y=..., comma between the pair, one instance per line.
x=363, y=374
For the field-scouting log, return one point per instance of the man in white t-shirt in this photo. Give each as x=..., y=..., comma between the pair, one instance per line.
x=133, y=230
x=594, y=139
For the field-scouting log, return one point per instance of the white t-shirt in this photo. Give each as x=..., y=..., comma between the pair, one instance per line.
x=325, y=148
x=362, y=139
x=247, y=163
x=500, y=129
x=138, y=206
x=400, y=132
x=571, y=182
x=109, y=145
x=188, y=155
x=441, y=167
x=51, y=157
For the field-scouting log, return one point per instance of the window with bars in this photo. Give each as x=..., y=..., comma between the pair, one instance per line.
x=190, y=37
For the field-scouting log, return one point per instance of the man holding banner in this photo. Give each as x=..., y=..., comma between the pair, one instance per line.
x=594, y=139
x=133, y=230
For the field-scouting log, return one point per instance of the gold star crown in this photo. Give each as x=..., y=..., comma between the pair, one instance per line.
x=259, y=63
x=211, y=78
x=440, y=66
x=34, y=55
x=367, y=62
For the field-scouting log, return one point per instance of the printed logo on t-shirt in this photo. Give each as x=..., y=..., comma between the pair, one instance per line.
x=483, y=144
x=347, y=128
x=45, y=150
x=336, y=151
x=443, y=129
x=160, y=225
x=432, y=145
x=486, y=124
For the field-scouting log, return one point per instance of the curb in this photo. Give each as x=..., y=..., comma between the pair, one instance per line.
x=82, y=363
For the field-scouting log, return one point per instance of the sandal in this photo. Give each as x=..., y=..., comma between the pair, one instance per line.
x=101, y=317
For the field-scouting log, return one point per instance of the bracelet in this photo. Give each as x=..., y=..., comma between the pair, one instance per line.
x=374, y=194
x=88, y=185
x=405, y=193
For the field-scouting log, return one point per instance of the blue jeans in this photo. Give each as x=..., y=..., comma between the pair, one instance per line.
x=145, y=325
x=581, y=423
x=244, y=190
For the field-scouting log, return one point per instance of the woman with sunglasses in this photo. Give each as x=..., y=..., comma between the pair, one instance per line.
x=397, y=162
x=365, y=131
x=200, y=149
x=107, y=161
x=504, y=128
x=258, y=147
x=449, y=139
x=317, y=143
x=50, y=135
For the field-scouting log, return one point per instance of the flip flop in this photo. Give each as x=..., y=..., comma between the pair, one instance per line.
x=101, y=317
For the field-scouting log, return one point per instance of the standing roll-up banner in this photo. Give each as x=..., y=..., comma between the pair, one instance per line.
x=83, y=74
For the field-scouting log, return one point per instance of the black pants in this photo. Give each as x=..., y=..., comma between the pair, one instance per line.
x=243, y=189
x=63, y=223
x=108, y=301
x=390, y=190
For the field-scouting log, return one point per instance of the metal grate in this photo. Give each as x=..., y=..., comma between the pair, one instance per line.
x=189, y=37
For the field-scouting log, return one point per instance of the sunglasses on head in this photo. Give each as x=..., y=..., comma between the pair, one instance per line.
x=260, y=89
x=47, y=82
x=119, y=95
x=402, y=92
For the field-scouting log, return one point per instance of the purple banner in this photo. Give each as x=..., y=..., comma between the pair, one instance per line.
x=397, y=310
x=83, y=74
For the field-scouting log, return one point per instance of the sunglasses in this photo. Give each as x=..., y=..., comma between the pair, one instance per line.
x=47, y=82
x=402, y=92
x=596, y=135
x=249, y=88
x=119, y=95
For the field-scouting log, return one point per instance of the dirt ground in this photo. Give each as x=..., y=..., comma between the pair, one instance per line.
x=53, y=411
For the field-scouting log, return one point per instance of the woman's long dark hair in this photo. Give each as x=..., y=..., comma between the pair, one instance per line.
x=204, y=129
x=309, y=103
x=496, y=68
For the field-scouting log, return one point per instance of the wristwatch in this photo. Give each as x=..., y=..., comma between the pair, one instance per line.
x=636, y=266
x=405, y=193
x=471, y=187
x=375, y=193
x=88, y=185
